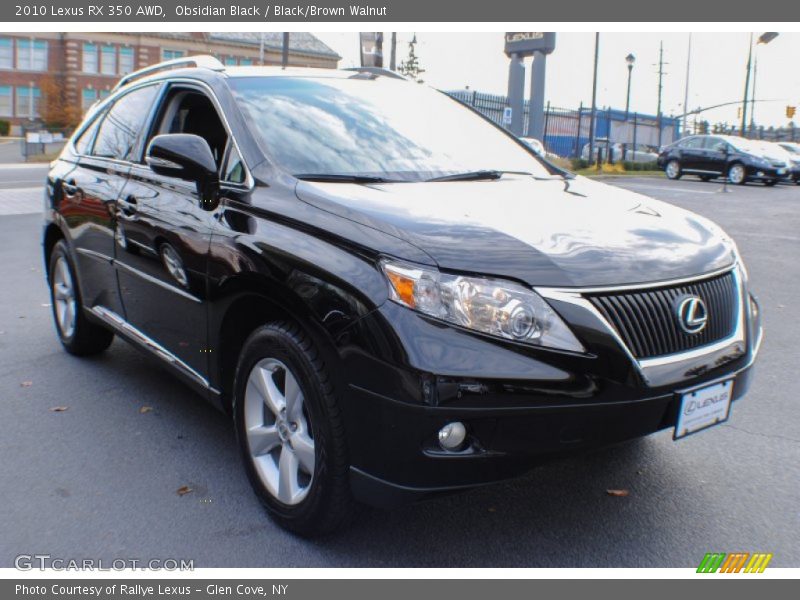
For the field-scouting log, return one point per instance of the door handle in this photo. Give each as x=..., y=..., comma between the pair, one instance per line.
x=129, y=206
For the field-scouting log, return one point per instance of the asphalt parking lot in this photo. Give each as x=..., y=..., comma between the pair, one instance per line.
x=100, y=479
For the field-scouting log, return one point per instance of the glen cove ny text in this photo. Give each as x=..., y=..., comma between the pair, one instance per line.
x=266, y=11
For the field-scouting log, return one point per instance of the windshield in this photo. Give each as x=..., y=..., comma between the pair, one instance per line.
x=791, y=148
x=385, y=128
x=758, y=147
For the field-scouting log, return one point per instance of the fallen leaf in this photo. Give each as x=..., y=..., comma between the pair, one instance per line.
x=183, y=490
x=26, y=384
x=618, y=493
x=59, y=408
x=145, y=409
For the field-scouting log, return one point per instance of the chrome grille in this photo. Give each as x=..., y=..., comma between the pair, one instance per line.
x=647, y=322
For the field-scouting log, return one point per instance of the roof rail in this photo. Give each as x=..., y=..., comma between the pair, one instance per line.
x=376, y=71
x=201, y=60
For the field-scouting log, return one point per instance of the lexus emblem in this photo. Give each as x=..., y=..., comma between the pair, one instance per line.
x=692, y=314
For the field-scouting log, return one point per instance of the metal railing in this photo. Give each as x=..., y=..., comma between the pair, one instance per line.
x=617, y=136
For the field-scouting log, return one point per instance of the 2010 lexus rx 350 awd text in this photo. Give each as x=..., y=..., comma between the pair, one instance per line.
x=390, y=295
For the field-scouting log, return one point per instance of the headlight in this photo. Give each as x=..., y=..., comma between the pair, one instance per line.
x=500, y=308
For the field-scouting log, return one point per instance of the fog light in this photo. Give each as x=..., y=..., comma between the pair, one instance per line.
x=452, y=435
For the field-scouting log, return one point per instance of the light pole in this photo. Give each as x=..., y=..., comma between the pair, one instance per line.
x=629, y=60
x=764, y=38
x=594, y=96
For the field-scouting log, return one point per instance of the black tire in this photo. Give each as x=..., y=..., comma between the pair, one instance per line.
x=328, y=504
x=770, y=182
x=85, y=338
x=673, y=169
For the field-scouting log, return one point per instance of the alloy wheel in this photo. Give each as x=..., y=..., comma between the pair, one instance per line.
x=673, y=169
x=279, y=433
x=736, y=174
x=64, y=298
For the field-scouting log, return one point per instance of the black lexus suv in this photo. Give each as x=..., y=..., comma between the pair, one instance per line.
x=738, y=159
x=390, y=295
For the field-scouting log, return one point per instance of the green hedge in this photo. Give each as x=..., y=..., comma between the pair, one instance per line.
x=5, y=127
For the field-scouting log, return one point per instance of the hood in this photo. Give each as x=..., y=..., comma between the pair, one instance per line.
x=541, y=232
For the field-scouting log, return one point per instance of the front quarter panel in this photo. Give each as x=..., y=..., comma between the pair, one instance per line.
x=311, y=277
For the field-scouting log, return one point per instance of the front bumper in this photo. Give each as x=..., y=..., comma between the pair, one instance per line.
x=408, y=376
x=402, y=467
x=755, y=173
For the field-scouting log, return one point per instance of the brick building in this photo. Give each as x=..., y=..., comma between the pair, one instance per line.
x=87, y=65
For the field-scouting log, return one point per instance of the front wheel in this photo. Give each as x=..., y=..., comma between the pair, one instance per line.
x=737, y=174
x=290, y=431
x=673, y=169
x=77, y=334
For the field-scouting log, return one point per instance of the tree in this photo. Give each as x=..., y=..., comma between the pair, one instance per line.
x=56, y=111
x=410, y=66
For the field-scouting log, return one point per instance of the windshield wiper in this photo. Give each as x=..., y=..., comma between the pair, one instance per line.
x=493, y=174
x=344, y=178
x=470, y=176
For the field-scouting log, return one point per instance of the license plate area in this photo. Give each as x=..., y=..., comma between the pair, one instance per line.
x=703, y=407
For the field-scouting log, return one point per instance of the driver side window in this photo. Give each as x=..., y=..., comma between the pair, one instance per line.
x=716, y=145
x=191, y=111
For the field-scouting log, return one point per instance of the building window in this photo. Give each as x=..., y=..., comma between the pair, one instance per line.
x=88, y=98
x=28, y=102
x=32, y=55
x=89, y=58
x=108, y=60
x=6, y=101
x=170, y=54
x=104, y=94
x=6, y=53
x=246, y=62
x=230, y=60
x=125, y=60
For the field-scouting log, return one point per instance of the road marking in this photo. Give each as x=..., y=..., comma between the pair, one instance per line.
x=21, y=201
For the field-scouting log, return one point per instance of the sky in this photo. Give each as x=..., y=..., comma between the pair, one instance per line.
x=717, y=72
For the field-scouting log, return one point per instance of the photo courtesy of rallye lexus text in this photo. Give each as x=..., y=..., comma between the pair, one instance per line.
x=390, y=295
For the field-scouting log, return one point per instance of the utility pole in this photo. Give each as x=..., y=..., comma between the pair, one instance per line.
x=660, y=87
x=686, y=90
x=393, y=53
x=285, y=56
x=747, y=85
x=261, y=50
x=753, y=95
x=594, y=96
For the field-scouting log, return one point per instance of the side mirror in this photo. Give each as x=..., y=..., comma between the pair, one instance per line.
x=187, y=157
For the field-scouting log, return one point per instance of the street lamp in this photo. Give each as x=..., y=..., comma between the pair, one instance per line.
x=630, y=60
x=764, y=38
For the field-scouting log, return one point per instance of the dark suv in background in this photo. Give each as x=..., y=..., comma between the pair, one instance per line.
x=712, y=156
x=389, y=294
